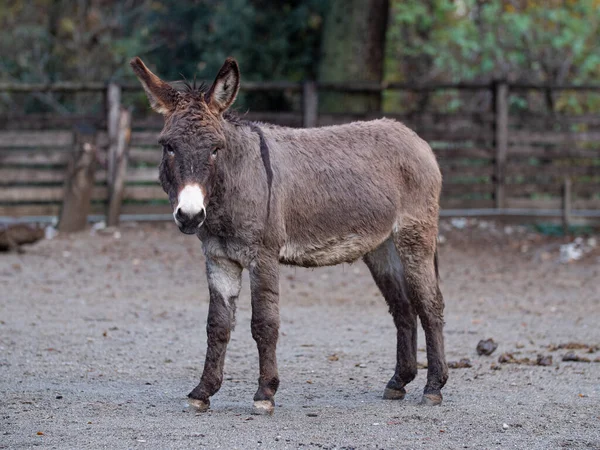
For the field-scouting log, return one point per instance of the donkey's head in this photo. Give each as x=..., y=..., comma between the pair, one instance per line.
x=192, y=138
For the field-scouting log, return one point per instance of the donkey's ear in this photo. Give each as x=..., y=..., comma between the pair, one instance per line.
x=225, y=87
x=163, y=97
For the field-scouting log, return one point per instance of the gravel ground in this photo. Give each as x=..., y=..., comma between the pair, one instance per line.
x=102, y=336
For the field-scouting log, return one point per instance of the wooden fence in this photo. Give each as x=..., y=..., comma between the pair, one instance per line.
x=493, y=163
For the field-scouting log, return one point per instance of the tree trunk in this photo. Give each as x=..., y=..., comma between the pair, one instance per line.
x=79, y=182
x=353, y=50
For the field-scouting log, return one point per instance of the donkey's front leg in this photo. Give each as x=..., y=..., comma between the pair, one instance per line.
x=224, y=283
x=264, y=281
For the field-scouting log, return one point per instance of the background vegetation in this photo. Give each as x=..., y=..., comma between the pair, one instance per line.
x=552, y=41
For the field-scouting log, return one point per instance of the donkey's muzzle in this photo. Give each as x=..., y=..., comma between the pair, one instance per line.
x=187, y=223
x=190, y=213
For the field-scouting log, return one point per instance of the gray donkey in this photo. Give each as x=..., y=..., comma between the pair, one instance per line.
x=258, y=195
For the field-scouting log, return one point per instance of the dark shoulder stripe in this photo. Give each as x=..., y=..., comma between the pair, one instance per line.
x=266, y=159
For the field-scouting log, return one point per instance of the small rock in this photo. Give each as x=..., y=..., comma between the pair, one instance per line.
x=97, y=227
x=544, y=360
x=58, y=397
x=505, y=426
x=486, y=347
x=50, y=232
x=458, y=222
x=570, y=252
x=312, y=414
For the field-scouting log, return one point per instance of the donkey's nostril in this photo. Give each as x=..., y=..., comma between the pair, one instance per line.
x=200, y=216
x=180, y=216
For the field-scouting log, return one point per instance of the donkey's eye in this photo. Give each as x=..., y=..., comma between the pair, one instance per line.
x=214, y=153
x=169, y=150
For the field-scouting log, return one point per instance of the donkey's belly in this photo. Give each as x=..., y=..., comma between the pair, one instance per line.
x=332, y=251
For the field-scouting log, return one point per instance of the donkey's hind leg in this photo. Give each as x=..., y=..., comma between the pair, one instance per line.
x=416, y=245
x=386, y=268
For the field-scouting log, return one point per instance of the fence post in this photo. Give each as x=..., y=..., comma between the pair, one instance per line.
x=310, y=104
x=500, y=139
x=118, y=155
x=113, y=109
x=566, y=205
x=79, y=181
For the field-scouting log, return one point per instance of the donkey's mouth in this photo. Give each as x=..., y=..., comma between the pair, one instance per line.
x=189, y=226
x=189, y=230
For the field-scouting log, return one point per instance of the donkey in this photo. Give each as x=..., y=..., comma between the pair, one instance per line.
x=258, y=195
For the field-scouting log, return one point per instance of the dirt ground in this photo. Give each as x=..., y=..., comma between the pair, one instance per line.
x=102, y=336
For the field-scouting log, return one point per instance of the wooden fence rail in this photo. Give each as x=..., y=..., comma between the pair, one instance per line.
x=493, y=162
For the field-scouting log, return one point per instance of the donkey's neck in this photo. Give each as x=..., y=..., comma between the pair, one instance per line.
x=241, y=190
x=245, y=143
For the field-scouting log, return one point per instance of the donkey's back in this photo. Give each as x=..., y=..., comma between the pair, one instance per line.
x=343, y=189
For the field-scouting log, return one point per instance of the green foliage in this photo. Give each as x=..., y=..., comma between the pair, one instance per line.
x=93, y=40
x=270, y=40
x=428, y=40
x=540, y=41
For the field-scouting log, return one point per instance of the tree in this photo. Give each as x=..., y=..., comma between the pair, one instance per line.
x=519, y=40
x=270, y=40
x=43, y=41
x=92, y=40
x=353, y=50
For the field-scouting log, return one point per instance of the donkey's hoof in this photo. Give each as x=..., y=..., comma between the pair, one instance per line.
x=431, y=399
x=263, y=407
x=200, y=405
x=394, y=394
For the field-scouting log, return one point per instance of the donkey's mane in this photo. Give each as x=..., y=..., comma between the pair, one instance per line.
x=193, y=87
x=197, y=90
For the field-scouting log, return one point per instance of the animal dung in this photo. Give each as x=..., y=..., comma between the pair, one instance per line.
x=571, y=356
x=541, y=360
x=464, y=363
